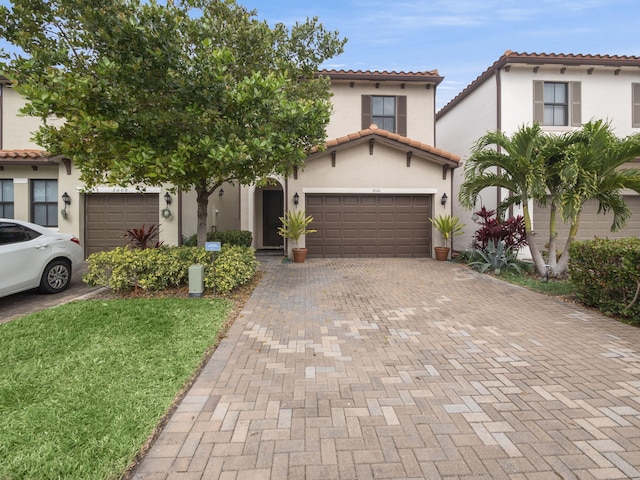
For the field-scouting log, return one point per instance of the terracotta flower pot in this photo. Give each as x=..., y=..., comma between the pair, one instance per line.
x=442, y=253
x=299, y=255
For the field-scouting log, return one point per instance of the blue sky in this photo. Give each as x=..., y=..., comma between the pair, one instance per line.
x=462, y=38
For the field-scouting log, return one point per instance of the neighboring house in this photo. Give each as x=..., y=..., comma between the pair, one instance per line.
x=560, y=92
x=371, y=189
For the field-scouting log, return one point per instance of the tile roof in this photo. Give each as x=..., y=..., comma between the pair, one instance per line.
x=374, y=131
x=431, y=76
x=27, y=157
x=24, y=154
x=509, y=57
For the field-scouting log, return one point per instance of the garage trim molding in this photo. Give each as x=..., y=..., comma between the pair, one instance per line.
x=373, y=190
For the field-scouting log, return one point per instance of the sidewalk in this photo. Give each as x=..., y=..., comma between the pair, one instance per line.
x=407, y=368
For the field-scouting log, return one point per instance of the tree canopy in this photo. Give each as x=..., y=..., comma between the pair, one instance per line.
x=191, y=93
x=561, y=172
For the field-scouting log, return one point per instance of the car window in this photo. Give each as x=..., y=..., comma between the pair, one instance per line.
x=14, y=233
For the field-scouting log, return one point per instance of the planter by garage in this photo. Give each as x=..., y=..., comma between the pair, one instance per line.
x=442, y=253
x=299, y=254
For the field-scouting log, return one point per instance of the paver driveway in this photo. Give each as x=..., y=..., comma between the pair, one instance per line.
x=399, y=368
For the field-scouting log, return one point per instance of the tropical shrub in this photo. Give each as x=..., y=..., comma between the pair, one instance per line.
x=123, y=269
x=497, y=256
x=144, y=237
x=493, y=229
x=606, y=274
x=242, y=238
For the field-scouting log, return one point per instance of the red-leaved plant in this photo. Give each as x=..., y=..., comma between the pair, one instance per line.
x=494, y=230
x=144, y=237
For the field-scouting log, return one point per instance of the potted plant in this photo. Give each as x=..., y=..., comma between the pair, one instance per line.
x=448, y=226
x=294, y=225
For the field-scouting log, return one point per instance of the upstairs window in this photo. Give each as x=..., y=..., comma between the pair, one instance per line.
x=557, y=103
x=6, y=198
x=44, y=202
x=387, y=112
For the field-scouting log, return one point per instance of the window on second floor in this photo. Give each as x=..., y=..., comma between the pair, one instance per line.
x=44, y=202
x=557, y=103
x=387, y=112
x=6, y=198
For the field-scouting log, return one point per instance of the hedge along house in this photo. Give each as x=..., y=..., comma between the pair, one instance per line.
x=560, y=92
x=373, y=187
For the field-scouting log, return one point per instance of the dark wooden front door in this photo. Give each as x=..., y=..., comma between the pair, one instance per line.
x=272, y=210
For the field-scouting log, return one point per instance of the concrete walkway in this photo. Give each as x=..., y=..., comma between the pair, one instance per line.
x=398, y=368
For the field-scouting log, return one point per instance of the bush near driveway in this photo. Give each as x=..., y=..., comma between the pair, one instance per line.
x=124, y=269
x=606, y=274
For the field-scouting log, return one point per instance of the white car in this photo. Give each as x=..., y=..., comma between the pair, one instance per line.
x=32, y=256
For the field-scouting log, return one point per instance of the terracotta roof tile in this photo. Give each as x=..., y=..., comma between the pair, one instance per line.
x=375, y=131
x=430, y=76
x=24, y=154
x=541, y=59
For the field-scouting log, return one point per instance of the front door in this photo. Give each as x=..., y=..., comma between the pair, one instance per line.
x=272, y=210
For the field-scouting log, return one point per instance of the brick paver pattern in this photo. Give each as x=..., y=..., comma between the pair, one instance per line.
x=407, y=368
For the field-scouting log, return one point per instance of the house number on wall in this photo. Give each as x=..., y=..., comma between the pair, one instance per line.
x=375, y=190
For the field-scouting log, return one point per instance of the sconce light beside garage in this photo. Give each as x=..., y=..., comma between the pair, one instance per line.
x=166, y=213
x=296, y=198
x=66, y=199
x=443, y=200
x=221, y=192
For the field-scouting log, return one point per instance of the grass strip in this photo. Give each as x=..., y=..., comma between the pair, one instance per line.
x=83, y=385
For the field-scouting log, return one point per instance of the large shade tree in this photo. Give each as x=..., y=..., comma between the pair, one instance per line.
x=191, y=93
x=560, y=172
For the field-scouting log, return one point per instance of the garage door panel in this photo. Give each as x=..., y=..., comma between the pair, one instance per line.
x=109, y=216
x=370, y=225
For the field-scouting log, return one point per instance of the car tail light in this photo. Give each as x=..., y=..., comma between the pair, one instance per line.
x=75, y=240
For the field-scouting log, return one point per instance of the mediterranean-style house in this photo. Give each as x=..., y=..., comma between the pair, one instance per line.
x=560, y=92
x=371, y=189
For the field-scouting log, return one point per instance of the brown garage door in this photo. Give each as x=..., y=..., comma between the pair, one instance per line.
x=369, y=225
x=592, y=224
x=109, y=215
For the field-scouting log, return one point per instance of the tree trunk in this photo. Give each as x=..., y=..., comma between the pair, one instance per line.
x=203, y=204
x=563, y=263
x=553, y=236
x=536, y=255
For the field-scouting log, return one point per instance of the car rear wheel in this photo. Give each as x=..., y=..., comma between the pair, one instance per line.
x=56, y=277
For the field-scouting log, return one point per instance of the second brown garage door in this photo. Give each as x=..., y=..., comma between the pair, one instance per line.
x=369, y=225
x=110, y=215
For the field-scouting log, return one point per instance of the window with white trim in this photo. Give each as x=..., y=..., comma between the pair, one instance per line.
x=44, y=202
x=557, y=103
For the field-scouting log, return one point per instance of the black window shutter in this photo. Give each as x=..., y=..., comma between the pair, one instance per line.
x=576, y=104
x=366, y=111
x=538, y=101
x=401, y=115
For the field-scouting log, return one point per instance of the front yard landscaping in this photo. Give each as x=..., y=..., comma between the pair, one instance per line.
x=84, y=385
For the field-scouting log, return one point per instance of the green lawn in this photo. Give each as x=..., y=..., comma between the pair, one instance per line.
x=83, y=385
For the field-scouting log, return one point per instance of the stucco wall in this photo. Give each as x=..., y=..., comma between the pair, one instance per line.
x=347, y=108
x=384, y=172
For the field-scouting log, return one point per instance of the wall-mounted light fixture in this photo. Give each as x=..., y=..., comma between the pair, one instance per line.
x=166, y=213
x=221, y=192
x=296, y=198
x=66, y=199
x=443, y=200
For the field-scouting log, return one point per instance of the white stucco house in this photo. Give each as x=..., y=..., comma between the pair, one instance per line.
x=371, y=189
x=560, y=92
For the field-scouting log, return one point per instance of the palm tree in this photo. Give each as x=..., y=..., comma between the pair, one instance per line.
x=519, y=164
x=592, y=168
